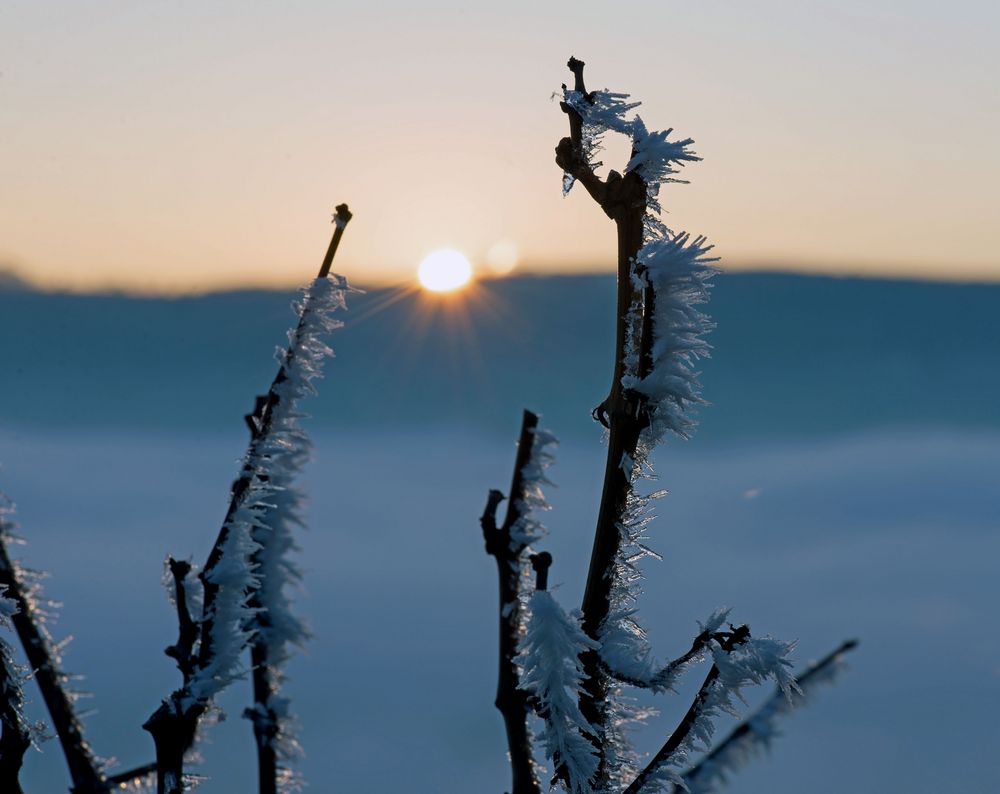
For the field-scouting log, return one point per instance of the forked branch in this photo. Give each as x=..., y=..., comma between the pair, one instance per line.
x=728, y=642
x=623, y=412
x=507, y=549
x=174, y=724
x=754, y=732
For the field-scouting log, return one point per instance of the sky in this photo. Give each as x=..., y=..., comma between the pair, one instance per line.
x=183, y=146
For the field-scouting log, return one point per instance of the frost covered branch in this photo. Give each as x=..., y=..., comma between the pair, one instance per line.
x=509, y=544
x=22, y=588
x=187, y=635
x=15, y=733
x=553, y=675
x=755, y=733
x=244, y=583
x=739, y=661
x=652, y=382
x=627, y=658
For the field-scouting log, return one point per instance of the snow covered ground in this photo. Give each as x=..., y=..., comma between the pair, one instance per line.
x=888, y=537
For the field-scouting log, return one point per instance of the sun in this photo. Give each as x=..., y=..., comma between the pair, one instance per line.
x=444, y=270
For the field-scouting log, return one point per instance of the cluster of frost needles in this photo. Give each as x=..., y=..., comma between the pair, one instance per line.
x=240, y=600
x=24, y=607
x=575, y=668
x=248, y=582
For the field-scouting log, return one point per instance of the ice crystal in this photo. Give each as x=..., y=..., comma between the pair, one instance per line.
x=24, y=594
x=553, y=674
x=678, y=268
x=528, y=528
x=254, y=573
x=751, y=663
x=755, y=734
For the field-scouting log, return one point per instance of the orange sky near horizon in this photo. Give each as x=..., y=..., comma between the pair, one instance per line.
x=193, y=146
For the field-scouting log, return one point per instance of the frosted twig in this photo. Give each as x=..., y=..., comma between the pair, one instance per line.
x=229, y=579
x=43, y=659
x=550, y=656
x=740, y=661
x=15, y=733
x=508, y=544
x=624, y=199
x=628, y=662
x=754, y=734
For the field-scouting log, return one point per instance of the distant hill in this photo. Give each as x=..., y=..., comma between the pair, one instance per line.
x=794, y=356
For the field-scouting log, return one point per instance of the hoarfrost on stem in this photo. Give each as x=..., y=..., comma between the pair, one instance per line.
x=552, y=674
x=246, y=583
x=755, y=734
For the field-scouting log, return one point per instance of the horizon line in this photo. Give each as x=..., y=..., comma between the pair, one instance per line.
x=14, y=280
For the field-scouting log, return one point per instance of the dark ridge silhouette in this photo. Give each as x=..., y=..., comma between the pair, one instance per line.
x=794, y=355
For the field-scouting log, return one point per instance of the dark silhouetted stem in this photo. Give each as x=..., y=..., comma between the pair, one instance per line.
x=174, y=724
x=340, y=220
x=173, y=727
x=511, y=701
x=14, y=736
x=83, y=767
x=541, y=563
x=745, y=727
x=728, y=640
x=623, y=412
x=262, y=655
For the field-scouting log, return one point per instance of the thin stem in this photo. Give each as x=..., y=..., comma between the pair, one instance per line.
x=667, y=672
x=83, y=768
x=187, y=635
x=15, y=739
x=728, y=641
x=623, y=199
x=174, y=724
x=511, y=701
x=340, y=220
x=746, y=726
x=263, y=657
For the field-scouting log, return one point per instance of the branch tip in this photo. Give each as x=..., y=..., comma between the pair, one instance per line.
x=576, y=67
x=340, y=220
x=541, y=563
x=342, y=215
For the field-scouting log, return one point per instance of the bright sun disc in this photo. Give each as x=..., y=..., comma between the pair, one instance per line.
x=444, y=270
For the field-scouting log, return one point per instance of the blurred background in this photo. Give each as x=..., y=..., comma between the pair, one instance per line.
x=166, y=171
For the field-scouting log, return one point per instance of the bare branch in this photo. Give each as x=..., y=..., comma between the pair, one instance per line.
x=183, y=650
x=541, y=563
x=511, y=701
